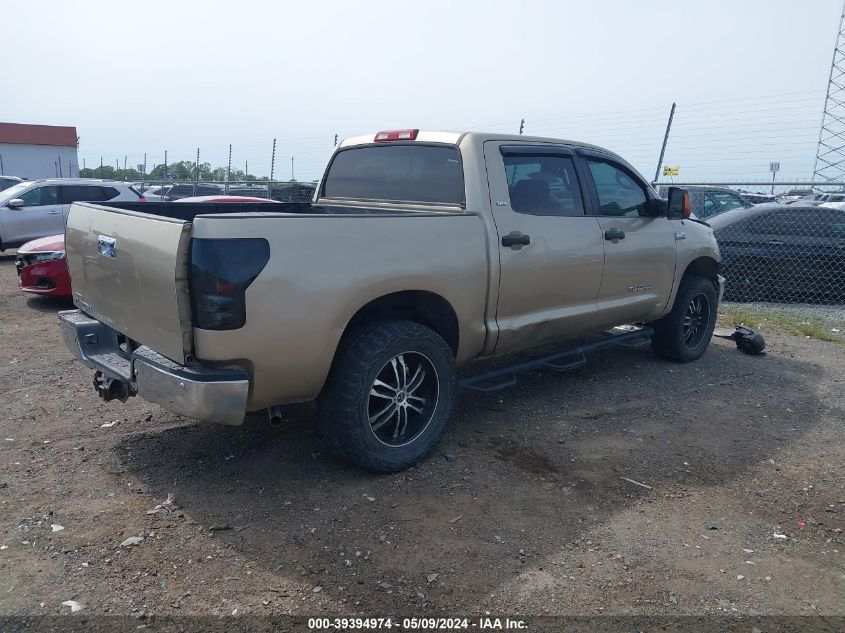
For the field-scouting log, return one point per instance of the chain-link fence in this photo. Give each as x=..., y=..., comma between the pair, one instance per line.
x=781, y=242
x=280, y=191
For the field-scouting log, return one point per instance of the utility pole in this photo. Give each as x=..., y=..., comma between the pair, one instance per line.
x=272, y=166
x=164, y=175
x=830, y=154
x=196, y=172
x=101, y=167
x=665, y=142
x=144, y=170
x=521, y=125
x=246, y=170
x=291, y=169
x=124, y=167
x=1, y=165
x=228, y=170
x=60, y=167
x=335, y=139
x=84, y=165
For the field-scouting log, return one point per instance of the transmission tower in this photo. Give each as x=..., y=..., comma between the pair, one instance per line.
x=830, y=156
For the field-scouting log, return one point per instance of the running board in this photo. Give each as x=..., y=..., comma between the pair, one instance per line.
x=573, y=358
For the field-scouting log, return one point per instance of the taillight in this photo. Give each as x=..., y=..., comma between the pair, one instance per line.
x=165, y=198
x=221, y=271
x=142, y=199
x=396, y=135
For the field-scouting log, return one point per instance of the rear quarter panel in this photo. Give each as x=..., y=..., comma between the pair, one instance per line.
x=322, y=270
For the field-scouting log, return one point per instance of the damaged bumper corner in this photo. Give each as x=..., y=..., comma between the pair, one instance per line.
x=203, y=393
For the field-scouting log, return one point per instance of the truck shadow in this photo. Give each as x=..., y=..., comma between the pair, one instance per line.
x=533, y=468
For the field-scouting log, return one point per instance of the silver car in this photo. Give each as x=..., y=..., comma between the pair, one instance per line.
x=38, y=208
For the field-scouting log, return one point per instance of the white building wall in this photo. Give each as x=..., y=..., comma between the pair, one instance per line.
x=38, y=161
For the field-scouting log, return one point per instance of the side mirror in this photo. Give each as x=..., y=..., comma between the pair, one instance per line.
x=15, y=203
x=679, y=205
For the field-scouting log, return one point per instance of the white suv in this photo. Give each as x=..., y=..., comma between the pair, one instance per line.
x=39, y=208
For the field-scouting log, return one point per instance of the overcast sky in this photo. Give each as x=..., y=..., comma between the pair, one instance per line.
x=749, y=77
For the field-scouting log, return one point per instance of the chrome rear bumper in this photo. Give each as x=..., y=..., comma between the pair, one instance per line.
x=203, y=393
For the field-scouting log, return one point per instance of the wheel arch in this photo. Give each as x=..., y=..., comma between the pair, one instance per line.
x=421, y=306
x=703, y=266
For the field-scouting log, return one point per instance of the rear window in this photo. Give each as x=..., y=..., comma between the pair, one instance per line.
x=406, y=173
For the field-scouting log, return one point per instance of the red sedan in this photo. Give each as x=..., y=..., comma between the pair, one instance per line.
x=42, y=267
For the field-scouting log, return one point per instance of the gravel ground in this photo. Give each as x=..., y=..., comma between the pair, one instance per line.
x=630, y=486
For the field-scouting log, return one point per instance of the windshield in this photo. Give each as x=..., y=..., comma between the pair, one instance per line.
x=14, y=191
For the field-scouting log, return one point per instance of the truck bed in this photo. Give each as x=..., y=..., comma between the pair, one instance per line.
x=187, y=211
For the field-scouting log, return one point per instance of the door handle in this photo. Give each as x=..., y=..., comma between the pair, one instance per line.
x=614, y=234
x=53, y=212
x=516, y=240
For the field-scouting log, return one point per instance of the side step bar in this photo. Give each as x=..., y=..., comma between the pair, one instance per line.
x=572, y=358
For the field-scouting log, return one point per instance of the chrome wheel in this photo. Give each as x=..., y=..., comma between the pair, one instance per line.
x=696, y=320
x=403, y=398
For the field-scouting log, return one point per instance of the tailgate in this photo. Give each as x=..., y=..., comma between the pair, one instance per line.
x=130, y=270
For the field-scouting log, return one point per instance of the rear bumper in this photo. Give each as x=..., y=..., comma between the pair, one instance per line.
x=203, y=393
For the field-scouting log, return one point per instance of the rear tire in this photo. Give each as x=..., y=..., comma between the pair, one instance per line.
x=685, y=332
x=388, y=395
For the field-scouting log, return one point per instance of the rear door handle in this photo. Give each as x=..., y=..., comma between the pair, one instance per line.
x=614, y=234
x=516, y=240
x=53, y=212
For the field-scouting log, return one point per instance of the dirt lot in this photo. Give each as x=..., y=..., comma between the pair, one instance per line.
x=524, y=509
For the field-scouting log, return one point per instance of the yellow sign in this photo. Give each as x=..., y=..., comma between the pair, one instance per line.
x=671, y=171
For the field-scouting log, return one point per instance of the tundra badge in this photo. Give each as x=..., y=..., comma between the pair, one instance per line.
x=106, y=245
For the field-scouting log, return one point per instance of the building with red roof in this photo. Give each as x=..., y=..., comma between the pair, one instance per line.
x=38, y=151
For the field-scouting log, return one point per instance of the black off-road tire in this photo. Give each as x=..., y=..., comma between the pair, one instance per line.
x=672, y=338
x=346, y=402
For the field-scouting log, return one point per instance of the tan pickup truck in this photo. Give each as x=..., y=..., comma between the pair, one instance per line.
x=420, y=251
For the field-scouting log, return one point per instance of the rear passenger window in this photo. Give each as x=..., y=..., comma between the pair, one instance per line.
x=543, y=185
x=109, y=193
x=82, y=193
x=619, y=194
x=402, y=173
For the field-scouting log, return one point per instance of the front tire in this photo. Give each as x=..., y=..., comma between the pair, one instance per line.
x=685, y=332
x=388, y=395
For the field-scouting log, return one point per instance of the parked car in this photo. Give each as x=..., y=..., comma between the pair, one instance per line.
x=9, y=181
x=253, y=191
x=757, y=198
x=294, y=192
x=777, y=252
x=171, y=193
x=711, y=201
x=423, y=250
x=42, y=267
x=37, y=208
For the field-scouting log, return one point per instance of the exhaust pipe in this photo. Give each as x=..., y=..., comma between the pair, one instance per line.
x=274, y=414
